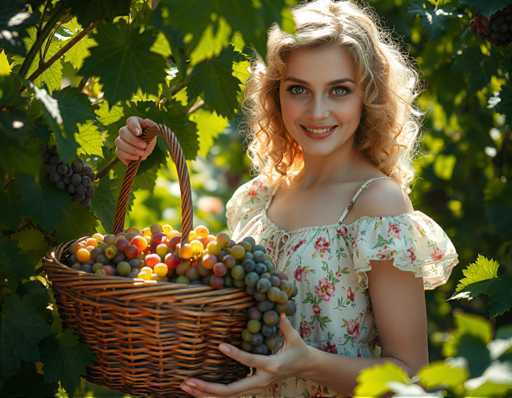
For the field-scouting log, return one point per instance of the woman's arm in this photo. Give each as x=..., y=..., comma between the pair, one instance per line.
x=398, y=303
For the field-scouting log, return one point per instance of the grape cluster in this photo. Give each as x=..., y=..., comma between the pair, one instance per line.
x=75, y=178
x=157, y=253
x=497, y=28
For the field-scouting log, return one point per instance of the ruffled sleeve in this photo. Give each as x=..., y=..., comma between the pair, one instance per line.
x=414, y=242
x=248, y=199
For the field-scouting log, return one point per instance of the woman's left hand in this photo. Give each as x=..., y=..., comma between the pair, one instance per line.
x=288, y=361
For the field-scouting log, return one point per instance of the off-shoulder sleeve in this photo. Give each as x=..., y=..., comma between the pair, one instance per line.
x=414, y=242
x=247, y=199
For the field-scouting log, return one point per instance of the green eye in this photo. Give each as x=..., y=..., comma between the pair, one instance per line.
x=297, y=90
x=340, y=91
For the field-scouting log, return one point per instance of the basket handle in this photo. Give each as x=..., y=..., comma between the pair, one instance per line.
x=178, y=158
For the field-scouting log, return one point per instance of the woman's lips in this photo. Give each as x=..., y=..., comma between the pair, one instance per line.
x=318, y=133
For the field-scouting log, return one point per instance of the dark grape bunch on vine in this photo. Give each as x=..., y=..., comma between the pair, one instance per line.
x=75, y=178
x=497, y=28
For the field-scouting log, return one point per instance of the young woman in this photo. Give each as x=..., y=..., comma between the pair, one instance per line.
x=333, y=130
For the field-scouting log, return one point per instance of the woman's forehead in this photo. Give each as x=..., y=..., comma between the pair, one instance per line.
x=320, y=64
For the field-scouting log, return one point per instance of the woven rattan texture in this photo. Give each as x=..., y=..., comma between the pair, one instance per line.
x=148, y=336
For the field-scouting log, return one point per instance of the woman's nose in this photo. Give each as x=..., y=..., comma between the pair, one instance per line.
x=319, y=109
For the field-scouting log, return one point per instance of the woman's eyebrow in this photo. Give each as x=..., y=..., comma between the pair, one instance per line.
x=337, y=81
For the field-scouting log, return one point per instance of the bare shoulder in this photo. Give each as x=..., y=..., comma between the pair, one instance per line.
x=383, y=197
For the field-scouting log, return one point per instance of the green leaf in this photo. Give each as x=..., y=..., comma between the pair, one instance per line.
x=14, y=20
x=482, y=269
x=213, y=80
x=443, y=166
x=209, y=125
x=373, y=381
x=5, y=67
x=75, y=221
x=22, y=328
x=495, y=381
x=74, y=108
x=499, y=296
x=27, y=382
x=213, y=40
x=44, y=203
x=467, y=324
x=104, y=200
x=15, y=265
x=443, y=374
x=65, y=359
x=90, y=139
x=98, y=10
x=487, y=7
x=32, y=242
x=124, y=62
x=80, y=50
x=476, y=353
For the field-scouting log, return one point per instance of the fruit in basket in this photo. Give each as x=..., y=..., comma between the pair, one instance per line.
x=157, y=253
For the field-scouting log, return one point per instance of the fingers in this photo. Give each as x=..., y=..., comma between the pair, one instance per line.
x=245, y=358
x=128, y=144
x=200, y=388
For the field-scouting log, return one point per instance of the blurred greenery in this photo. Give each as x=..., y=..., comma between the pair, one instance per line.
x=185, y=64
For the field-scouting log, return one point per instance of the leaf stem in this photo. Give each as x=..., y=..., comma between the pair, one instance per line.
x=58, y=54
x=48, y=28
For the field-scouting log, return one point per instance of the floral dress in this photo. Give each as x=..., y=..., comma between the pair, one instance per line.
x=329, y=264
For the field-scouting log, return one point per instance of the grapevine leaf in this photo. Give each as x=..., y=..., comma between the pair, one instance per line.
x=90, y=139
x=32, y=242
x=442, y=374
x=5, y=67
x=44, y=203
x=124, y=62
x=65, y=359
x=213, y=40
x=80, y=50
x=499, y=296
x=483, y=269
x=253, y=20
x=26, y=328
x=14, y=19
x=104, y=201
x=75, y=221
x=15, y=265
x=373, y=381
x=210, y=126
x=98, y=10
x=487, y=7
x=74, y=108
x=27, y=382
x=213, y=80
x=476, y=353
x=496, y=381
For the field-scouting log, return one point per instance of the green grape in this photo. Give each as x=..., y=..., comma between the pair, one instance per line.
x=254, y=326
x=238, y=273
x=238, y=252
x=274, y=343
x=246, y=335
x=287, y=287
x=182, y=279
x=182, y=268
x=273, y=294
x=123, y=268
x=281, y=298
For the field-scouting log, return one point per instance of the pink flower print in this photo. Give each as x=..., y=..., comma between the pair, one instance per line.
x=437, y=254
x=411, y=254
x=394, y=229
x=329, y=347
x=353, y=327
x=339, y=274
x=322, y=245
x=316, y=309
x=324, y=289
x=341, y=232
x=296, y=246
x=350, y=294
x=304, y=329
x=299, y=272
x=252, y=193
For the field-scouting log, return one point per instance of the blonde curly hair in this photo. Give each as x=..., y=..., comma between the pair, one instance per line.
x=390, y=123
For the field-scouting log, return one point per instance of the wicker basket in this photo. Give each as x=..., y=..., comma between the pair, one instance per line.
x=149, y=336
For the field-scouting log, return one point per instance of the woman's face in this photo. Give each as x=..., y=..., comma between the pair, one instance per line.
x=321, y=102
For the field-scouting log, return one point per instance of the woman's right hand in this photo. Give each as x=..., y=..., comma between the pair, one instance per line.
x=128, y=144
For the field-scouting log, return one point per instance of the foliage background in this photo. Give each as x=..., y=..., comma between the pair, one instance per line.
x=184, y=63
